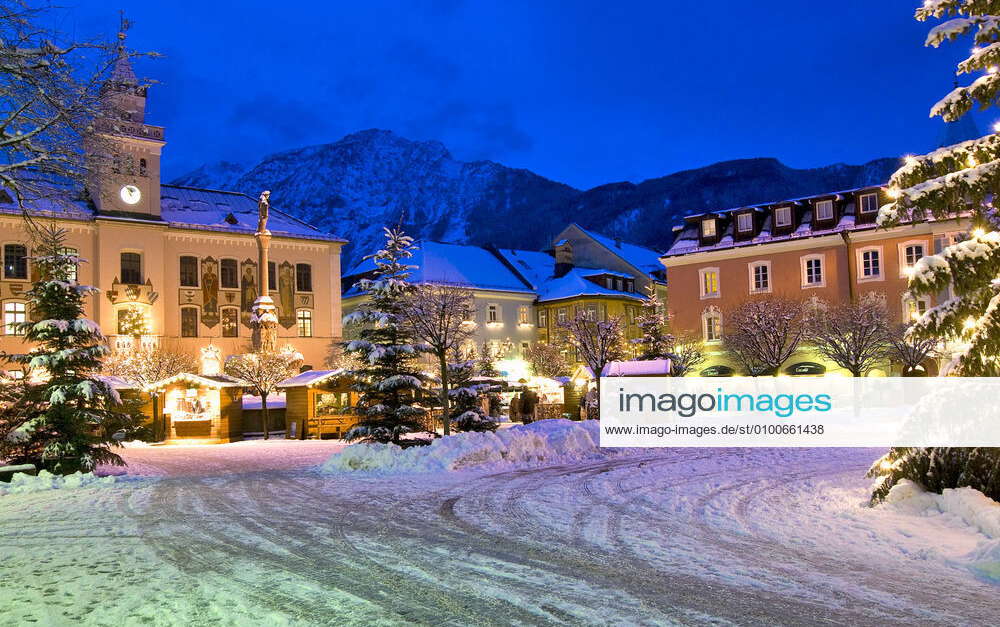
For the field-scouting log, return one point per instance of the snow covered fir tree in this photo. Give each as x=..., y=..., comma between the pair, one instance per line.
x=467, y=394
x=389, y=380
x=958, y=180
x=656, y=342
x=71, y=413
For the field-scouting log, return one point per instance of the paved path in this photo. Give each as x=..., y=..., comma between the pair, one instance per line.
x=693, y=536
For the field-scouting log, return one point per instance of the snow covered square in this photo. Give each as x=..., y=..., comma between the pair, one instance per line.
x=287, y=532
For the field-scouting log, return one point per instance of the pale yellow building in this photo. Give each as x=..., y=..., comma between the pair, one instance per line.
x=185, y=259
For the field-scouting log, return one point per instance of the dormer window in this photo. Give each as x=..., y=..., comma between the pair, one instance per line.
x=824, y=210
x=868, y=203
x=744, y=222
x=708, y=228
x=783, y=216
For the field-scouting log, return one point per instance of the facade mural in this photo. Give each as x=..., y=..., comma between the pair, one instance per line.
x=210, y=292
x=248, y=287
x=286, y=295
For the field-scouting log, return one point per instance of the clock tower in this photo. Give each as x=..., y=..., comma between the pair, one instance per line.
x=127, y=171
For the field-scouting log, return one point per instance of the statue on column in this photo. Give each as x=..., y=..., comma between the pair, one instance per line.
x=264, y=318
x=263, y=209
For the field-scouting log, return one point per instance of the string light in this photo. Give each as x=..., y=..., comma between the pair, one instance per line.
x=969, y=324
x=996, y=126
x=911, y=161
x=894, y=193
x=972, y=161
x=978, y=232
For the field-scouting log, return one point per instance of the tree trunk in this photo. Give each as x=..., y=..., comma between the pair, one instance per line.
x=264, y=416
x=445, y=418
x=597, y=397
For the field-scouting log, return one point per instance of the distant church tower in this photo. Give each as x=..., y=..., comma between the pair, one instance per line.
x=128, y=179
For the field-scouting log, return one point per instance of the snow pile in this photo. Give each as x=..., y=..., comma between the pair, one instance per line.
x=963, y=507
x=22, y=483
x=546, y=441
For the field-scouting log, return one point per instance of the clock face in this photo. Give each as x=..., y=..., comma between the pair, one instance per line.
x=130, y=194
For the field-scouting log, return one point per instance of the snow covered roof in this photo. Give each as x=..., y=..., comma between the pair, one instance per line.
x=648, y=368
x=117, y=383
x=575, y=283
x=311, y=378
x=214, y=382
x=645, y=259
x=534, y=266
x=688, y=238
x=216, y=210
x=461, y=265
x=181, y=207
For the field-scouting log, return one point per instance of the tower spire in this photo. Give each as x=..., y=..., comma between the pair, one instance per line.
x=122, y=71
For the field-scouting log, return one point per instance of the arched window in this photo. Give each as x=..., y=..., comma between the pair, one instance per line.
x=230, y=319
x=304, y=321
x=303, y=277
x=72, y=252
x=15, y=261
x=711, y=324
x=13, y=313
x=189, y=322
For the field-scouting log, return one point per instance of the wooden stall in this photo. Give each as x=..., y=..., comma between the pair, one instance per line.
x=318, y=405
x=200, y=408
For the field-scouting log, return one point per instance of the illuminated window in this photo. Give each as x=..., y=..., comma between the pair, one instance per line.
x=543, y=318
x=492, y=313
x=712, y=326
x=72, y=252
x=708, y=228
x=561, y=315
x=15, y=261
x=14, y=313
x=522, y=314
x=913, y=308
x=304, y=321
x=189, y=322
x=230, y=320
x=709, y=282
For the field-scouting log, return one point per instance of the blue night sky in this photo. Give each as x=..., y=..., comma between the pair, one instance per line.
x=584, y=92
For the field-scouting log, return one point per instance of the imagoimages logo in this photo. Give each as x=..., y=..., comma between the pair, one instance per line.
x=687, y=405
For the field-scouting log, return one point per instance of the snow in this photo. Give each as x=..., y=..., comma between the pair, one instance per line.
x=545, y=441
x=453, y=264
x=961, y=515
x=310, y=377
x=274, y=401
x=636, y=368
x=23, y=483
x=674, y=536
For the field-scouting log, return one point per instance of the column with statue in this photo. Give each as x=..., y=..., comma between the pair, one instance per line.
x=264, y=316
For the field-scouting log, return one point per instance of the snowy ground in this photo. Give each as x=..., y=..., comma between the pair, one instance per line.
x=759, y=536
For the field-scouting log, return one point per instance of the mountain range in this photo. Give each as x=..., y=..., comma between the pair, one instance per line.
x=357, y=185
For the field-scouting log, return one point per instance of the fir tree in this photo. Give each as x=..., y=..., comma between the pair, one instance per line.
x=389, y=381
x=959, y=180
x=75, y=412
x=466, y=409
x=655, y=342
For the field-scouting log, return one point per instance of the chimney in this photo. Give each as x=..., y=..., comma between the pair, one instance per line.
x=564, y=257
